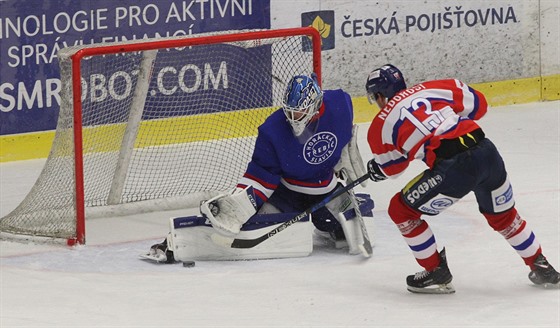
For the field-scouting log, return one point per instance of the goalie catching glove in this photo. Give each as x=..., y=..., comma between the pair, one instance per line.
x=228, y=212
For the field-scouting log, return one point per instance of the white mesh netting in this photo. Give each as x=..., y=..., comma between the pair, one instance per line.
x=162, y=128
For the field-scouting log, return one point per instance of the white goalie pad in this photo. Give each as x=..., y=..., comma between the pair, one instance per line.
x=351, y=166
x=356, y=233
x=349, y=210
x=192, y=239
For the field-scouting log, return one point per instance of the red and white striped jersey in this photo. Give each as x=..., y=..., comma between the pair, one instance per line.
x=415, y=120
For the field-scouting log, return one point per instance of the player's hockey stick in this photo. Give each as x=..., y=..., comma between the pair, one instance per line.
x=248, y=243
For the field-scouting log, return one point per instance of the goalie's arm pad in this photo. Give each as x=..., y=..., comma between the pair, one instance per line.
x=351, y=164
x=228, y=212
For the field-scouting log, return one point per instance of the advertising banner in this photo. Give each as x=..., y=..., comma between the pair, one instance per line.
x=184, y=81
x=31, y=33
x=476, y=41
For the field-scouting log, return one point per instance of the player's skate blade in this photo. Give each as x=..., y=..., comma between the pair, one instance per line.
x=433, y=289
x=550, y=286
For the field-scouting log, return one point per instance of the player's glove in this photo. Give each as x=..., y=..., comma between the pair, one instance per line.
x=375, y=172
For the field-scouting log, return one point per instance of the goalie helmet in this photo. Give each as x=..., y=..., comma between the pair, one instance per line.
x=302, y=101
x=387, y=81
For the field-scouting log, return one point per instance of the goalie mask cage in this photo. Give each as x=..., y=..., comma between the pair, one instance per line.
x=157, y=124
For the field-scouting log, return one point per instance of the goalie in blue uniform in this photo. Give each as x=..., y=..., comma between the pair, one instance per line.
x=303, y=152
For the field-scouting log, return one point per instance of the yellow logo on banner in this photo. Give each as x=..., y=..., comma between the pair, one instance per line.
x=323, y=28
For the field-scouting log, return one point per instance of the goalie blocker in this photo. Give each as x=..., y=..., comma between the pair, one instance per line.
x=194, y=238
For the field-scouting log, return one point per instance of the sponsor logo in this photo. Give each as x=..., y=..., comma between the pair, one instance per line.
x=428, y=210
x=30, y=87
x=441, y=203
x=322, y=21
x=319, y=148
x=414, y=194
x=185, y=222
x=505, y=197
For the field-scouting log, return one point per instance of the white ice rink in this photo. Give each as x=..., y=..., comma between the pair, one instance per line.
x=104, y=284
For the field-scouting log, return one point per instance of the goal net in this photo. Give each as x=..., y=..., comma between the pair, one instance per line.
x=157, y=124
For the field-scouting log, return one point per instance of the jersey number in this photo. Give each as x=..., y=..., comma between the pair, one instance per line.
x=434, y=119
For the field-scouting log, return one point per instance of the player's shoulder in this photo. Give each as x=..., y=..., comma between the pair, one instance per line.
x=443, y=83
x=338, y=98
x=338, y=106
x=335, y=93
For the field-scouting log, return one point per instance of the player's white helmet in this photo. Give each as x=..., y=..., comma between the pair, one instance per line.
x=302, y=101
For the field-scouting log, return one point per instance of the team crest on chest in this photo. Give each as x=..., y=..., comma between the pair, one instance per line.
x=319, y=148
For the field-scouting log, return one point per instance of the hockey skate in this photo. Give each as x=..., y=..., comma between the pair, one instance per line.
x=159, y=253
x=339, y=239
x=544, y=274
x=437, y=281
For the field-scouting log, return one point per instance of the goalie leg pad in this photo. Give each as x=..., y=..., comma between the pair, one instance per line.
x=192, y=239
x=347, y=210
x=351, y=165
x=365, y=205
x=354, y=237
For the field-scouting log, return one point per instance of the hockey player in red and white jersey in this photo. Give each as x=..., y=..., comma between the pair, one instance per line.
x=434, y=122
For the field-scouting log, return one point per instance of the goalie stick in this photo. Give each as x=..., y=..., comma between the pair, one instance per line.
x=249, y=243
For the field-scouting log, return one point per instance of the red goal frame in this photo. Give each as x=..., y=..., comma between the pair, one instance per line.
x=151, y=45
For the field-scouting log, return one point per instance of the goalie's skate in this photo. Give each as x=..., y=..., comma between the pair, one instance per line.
x=159, y=253
x=437, y=281
x=339, y=239
x=544, y=274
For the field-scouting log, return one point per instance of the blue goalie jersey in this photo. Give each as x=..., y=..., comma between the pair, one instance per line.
x=306, y=164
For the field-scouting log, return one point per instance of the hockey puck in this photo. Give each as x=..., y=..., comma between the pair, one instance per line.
x=188, y=264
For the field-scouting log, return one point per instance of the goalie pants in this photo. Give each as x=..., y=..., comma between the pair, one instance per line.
x=289, y=201
x=479, y=169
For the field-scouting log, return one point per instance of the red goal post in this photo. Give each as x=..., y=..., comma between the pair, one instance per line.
x=141, y=150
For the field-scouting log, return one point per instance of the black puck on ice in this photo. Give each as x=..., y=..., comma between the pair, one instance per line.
x=188, y=264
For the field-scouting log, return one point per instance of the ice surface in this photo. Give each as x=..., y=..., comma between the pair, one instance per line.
x=104, y=284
